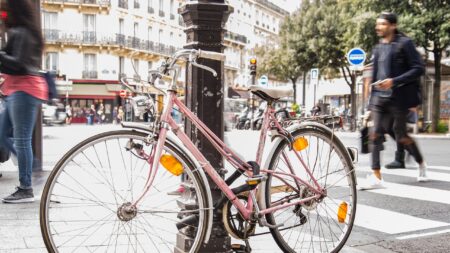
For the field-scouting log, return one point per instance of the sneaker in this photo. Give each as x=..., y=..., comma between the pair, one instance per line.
x=371, y=183
x=422, y=177
x=20, y=196
x=178, y=191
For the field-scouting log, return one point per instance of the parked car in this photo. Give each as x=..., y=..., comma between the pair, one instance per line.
x=53, y=114
x=143, y=108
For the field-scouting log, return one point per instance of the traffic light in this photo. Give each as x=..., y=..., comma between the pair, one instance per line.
x=252, y=66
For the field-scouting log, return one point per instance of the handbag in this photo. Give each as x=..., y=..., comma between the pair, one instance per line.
x=50, y=79
x=364, y=139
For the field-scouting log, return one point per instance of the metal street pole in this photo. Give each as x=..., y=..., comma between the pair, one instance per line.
x=37, y=133
x=205, y=21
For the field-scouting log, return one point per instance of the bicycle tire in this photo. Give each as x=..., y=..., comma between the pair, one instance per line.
x=308, y=215
x=150, y=239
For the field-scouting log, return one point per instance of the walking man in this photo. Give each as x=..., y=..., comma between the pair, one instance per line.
x=397, y=67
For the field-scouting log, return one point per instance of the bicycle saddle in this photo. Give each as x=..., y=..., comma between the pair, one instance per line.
x=270, y=93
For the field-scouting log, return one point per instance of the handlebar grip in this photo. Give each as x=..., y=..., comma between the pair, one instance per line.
x=211, y=55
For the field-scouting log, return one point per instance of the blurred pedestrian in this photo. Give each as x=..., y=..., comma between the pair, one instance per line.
x=397, y=66
x=24, y=87
x=68, y=115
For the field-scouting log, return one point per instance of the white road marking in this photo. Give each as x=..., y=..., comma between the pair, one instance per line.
x=391, y=222
x=423, y=234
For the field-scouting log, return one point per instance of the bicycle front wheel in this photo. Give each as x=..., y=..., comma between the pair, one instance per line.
x=320, y=224
x=86, y=202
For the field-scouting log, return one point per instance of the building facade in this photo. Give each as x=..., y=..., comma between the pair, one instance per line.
x=90, y=44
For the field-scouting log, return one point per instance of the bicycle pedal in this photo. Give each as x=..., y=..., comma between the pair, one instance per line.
x=239, y=248
x=255, y=180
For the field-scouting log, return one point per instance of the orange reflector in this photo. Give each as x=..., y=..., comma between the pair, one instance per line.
x=342, y=212
x=171, y=164
x=300, y=144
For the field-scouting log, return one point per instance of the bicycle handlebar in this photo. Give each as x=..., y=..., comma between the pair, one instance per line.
x=211, y=55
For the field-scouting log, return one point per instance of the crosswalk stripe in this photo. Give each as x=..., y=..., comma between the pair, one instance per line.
x=413, y=192
x=438, y=176
x=391, y=222
x=405, y=237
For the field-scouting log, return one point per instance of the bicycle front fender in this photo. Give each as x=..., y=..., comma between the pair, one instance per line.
x=175, y=142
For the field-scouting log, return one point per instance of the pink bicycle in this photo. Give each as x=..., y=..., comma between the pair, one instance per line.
x=113, y=191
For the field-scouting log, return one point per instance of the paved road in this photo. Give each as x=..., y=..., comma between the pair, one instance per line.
x=406, y=217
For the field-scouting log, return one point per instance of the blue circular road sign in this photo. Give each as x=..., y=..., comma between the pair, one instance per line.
x=356, y=56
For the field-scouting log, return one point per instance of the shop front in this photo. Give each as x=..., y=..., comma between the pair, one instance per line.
x=98, y=97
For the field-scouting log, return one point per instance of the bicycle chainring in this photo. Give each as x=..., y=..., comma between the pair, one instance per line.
x=234, y=223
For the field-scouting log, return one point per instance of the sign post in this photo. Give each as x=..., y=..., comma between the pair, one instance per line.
x=314, y=80
x=264, y=80
x=356, y=58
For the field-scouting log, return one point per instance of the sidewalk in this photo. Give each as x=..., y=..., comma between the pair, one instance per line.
x=19, y=223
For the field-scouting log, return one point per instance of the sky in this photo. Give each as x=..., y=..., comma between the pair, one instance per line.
x=289, y=5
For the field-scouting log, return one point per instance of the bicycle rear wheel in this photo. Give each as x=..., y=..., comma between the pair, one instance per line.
x=318, y=225
x=85, y=202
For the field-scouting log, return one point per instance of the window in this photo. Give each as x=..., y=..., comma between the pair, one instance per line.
x=172, y=11
x=161, y=5
x=90, y=66
x=51, y=61
x=50, y=20
x=136, y=75
x=160, y=34
x=121, y=26
x=135, y=29
x=150, y=65
x=149, y=33
x=171, y=38
x=89, y=35
x=50, y=26
x=121, y=66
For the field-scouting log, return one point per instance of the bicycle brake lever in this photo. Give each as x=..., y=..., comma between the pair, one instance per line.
x=205, y=68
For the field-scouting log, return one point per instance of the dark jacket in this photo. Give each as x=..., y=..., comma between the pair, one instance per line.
x=406, y=68
x=19, y=56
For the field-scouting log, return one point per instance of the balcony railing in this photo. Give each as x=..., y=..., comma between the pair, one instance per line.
x=150, y=10
x=81, y=2
x=123, y=4
x=120, y=39
x=273, y=7
x=161, y=13
x=89, y=37
x=90, y=74
x=96, y=38
x=236, y=37
x=51, y=35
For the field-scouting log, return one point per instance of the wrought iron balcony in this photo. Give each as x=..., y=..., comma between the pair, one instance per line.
x=120, y=39
x=89, y=37
x=79, y=2
x=99, y=39
x=236, y=37
x=273, y=7
x=51, y=35
x=90, y=74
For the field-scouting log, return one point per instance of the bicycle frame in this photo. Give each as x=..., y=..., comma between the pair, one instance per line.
x=167, y=122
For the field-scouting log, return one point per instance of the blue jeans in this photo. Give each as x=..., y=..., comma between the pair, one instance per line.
x=20, y=115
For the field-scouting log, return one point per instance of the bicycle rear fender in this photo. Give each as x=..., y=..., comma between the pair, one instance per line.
x=277, y=140
x=175, y=142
